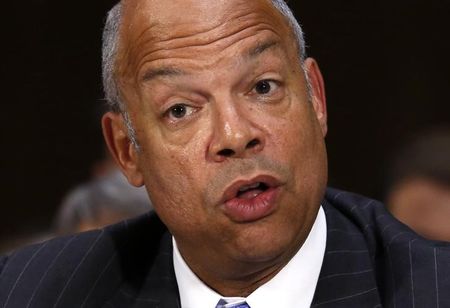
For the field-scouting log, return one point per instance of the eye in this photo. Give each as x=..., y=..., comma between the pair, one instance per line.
x=179, y=111
x=264, y=87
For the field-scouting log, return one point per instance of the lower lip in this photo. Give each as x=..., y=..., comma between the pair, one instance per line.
x=248, y=210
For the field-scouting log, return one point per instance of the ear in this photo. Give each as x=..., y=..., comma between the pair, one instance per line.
x=317, y=92
x=121, y=148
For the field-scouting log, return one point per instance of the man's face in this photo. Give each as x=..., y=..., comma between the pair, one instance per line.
x=231, y=145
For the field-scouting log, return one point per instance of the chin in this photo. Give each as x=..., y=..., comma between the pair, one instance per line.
x=261, y=244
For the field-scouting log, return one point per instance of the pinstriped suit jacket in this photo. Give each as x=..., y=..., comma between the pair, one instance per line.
x=371, y=260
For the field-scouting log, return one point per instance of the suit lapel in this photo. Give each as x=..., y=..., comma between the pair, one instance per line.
x=347, y=277
x=160, y=288
x=147, y=268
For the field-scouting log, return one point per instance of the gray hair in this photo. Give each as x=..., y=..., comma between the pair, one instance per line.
x=111, y=44
x=111, y=193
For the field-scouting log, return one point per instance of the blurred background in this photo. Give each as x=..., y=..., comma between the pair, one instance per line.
x=386, y=66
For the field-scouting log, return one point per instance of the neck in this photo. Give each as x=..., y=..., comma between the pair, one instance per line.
x=242, y=286
x=238, y=279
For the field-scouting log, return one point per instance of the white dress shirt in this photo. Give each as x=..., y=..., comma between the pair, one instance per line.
x=293, y=286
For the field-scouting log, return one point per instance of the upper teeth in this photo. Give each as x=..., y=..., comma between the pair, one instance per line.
x=247, y=187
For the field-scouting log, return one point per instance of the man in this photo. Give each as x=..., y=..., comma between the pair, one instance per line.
x=217, y=111
x=102, y=201
x=418, y=191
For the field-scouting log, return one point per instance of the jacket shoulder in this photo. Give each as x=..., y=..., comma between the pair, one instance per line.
x=357, y=214
x=408, y=270
x=76, y=270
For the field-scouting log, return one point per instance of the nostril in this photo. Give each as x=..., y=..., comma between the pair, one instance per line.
x=226, y=152
x=252, y=143
x=238, y=150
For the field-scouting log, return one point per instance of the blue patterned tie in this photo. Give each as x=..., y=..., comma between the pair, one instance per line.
x=223, y=304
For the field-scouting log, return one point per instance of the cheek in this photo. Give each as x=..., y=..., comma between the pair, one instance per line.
x=299, y=143
x=293, y=134
x=173, y=178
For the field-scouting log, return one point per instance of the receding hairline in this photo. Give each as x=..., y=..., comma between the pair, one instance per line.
x=113, y=40
x=124, y=40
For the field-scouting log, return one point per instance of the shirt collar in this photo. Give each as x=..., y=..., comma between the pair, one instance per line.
x=293, y=286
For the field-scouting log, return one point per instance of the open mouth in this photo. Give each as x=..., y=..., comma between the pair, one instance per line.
x=251, y=200
x=252, y=190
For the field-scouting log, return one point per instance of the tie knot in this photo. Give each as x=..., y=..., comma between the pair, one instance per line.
x=223, y=304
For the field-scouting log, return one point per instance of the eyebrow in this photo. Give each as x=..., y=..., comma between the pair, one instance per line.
x=261, y=48
x=162, y=72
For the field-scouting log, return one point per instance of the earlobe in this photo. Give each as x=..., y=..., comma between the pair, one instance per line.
x=121, y=148
x=318, y=96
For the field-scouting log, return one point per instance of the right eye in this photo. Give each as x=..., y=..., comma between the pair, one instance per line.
x=179, y=111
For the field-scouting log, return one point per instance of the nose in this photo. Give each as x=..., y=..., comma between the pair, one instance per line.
x=234, y=136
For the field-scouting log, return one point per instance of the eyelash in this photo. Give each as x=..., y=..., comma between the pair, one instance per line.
x=188, y=110
x=274, y=86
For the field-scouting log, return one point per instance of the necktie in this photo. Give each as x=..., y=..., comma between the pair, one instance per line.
x=223, y=304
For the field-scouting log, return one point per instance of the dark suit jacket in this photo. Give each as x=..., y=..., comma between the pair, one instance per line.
x=371, y=260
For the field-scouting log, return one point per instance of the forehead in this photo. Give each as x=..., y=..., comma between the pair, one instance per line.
x=166, y=15
x=152, y=27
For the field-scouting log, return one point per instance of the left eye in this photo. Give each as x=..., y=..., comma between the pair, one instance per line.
x=178, y=111
x=265, y=86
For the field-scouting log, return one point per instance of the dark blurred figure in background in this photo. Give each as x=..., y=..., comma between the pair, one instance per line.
x=106, y=199
x=418, y=191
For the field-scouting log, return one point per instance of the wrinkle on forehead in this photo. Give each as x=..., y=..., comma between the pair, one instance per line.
x=181, y=29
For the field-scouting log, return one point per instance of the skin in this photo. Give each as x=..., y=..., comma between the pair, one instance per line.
x=213, y=58
x=423, y=205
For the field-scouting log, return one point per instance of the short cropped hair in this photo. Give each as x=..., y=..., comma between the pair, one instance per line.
x=109, y=193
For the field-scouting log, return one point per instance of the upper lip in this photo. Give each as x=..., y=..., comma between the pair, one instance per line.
x=232, y=190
